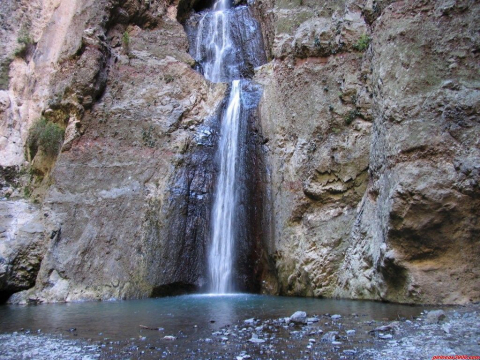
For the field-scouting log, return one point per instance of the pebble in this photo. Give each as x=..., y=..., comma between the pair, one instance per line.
x=336, y=317
x=256, y=340
x=350, y=332
x=330, y=336
x=435, y=316
x=299, y=317
x=242, y=357
x=171, y=338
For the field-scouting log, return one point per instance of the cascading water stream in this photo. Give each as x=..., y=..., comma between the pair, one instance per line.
x=223, y=239
x=223, y=56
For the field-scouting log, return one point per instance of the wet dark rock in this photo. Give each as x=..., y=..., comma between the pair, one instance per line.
x=247, y=50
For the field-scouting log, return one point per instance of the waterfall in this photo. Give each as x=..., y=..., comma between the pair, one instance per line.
x=226, y=45
x=224, y=209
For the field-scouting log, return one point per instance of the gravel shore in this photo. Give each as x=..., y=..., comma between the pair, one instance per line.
x=452, y=331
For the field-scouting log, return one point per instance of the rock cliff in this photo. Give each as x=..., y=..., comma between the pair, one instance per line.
x=370, y=116
x=365, y=143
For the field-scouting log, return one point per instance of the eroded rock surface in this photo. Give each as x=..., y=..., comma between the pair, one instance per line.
x=369, y=116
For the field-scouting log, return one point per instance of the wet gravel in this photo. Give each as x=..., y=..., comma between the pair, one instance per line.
x=456, y=331
x=46, y=347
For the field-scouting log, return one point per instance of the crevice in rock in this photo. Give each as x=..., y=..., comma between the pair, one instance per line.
x=395, y=277
x=5, y=295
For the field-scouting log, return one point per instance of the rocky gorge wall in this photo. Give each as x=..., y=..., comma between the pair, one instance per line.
x=367, y=132
x=370, y=117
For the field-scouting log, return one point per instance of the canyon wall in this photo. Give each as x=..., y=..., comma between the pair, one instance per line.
x=370, y=117
x=366, y=141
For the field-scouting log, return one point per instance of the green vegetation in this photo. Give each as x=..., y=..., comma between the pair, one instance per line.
x=47, y=135
x=148, y=137
x=126, y=40
x=25, y=41
x=362, y=43
x=351, y=115
x=26, y=192
x=168, y=78
x=4, y=78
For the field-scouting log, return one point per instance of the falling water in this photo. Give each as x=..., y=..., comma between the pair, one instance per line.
x=223, y=239
x=222, y=56
x=214, y=44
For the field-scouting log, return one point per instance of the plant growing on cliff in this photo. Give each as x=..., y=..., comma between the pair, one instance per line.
x=47, y=135
x=362, y=43
x=126, y=41
x=26, y=42
x=351, y=115
x=147, y=137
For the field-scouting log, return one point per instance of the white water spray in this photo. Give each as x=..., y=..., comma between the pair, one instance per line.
x=223, y=239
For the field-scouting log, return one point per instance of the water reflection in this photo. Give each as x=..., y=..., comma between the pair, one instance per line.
x=122, y=319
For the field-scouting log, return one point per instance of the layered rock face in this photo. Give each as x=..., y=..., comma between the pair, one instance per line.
x=123, y=196
x=367, y=131
x=373, y=148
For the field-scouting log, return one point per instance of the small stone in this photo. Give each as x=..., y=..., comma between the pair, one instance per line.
x=256, y=340
x=242, y=357
x=312, y=320
x=349, y=352
x=250, y=321
x=171, y=338
x=336, y=317
x=385, y=336
x=435, y=316
x=350, y=332
x=330, y=336
x=299, y=317
x=312, y=340
x=336, y=343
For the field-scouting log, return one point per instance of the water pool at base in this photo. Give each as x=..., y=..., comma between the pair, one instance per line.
x=190, y=315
